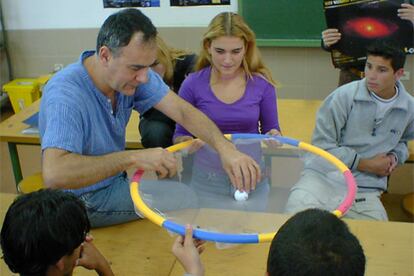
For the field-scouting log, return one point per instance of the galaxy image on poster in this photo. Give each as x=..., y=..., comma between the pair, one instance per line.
x=361, y=22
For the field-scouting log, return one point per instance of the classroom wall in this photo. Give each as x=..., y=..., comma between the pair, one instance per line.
x=81, y=14
x=302, y=72
x=43, y=33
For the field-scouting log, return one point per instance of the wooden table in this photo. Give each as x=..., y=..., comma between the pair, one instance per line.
x=297, y=120
x=141, y=248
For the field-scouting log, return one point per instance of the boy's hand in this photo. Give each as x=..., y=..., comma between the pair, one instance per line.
x=406, y=12
x=91, y=258
x=188, y=250
x=379, y=164
x=393, y=162
x=330, y=37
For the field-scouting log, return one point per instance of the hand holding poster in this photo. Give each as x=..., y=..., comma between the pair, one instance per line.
x=362, y=21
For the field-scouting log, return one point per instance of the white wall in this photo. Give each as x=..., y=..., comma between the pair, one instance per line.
x=72, y=14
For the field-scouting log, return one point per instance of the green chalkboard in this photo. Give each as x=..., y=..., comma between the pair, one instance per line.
x=285, y=22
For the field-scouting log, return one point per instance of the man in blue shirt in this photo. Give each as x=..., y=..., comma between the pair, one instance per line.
x=84, y=112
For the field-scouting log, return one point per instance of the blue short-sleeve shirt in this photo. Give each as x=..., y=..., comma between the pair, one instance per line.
x=77, y=117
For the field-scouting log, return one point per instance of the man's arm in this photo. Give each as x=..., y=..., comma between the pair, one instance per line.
x=243, y=171
x=66, y=170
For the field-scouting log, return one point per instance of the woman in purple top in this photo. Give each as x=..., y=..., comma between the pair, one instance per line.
x=231, y=86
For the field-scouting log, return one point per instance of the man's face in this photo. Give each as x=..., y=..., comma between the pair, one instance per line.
x=380, y=76
x=129, y=67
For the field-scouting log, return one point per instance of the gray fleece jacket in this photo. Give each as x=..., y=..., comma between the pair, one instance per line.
x=347, y=128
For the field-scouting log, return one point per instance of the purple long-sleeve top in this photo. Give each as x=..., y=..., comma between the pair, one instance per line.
x=254, y=112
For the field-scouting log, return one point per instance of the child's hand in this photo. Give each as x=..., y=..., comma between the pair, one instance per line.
x=188, y=250
x=378, y=165
x=330, y=37
x=91, y=258
x=393, y=162
x=273, y=143
x=406, y=12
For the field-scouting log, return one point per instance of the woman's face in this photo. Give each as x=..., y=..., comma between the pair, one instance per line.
x=227, y=53
x=159, y=68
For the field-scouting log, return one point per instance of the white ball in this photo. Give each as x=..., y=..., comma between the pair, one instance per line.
x=241, y=196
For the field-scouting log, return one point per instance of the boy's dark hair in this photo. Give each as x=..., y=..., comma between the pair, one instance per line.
x=118, y=29
x=40, y=228
x=314, y=243
x=388, y=50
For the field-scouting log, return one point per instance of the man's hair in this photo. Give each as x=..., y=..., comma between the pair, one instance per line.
x=314, y=243
x=388, y=50
x=118, y=29
x=40, y=228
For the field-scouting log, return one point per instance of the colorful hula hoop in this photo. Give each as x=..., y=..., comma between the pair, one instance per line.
x=242, y=238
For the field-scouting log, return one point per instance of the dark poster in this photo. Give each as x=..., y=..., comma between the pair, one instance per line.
x=362, y=21
x=183, y=3
x=130, y=3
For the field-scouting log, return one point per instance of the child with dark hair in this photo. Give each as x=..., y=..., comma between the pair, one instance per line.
x=46, y=233
x=313, y=242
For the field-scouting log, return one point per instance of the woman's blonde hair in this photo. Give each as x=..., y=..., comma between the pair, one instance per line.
x=168, y=57
x=232, y=24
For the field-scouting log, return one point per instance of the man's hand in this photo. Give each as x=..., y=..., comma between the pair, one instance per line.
x=406, y=12
x=330, y=37
x=380, y=165
x=91, y=258
x=188, y=250
x=243, y=171
x=156, y=159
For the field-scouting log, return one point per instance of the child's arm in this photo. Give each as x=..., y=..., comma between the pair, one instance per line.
x=91, y=258
x=188, y=250
x=401, y=149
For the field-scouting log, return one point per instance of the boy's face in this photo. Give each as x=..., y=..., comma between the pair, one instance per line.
x=380, y=76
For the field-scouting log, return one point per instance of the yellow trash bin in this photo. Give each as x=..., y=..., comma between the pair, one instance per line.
x=22, y=92
x=42, y=80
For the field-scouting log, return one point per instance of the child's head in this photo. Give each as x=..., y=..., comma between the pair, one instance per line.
x=166, y=60
x=236, y=32
x=388, y=51
x=383, y=68
x=315, y=242
x=43, y=229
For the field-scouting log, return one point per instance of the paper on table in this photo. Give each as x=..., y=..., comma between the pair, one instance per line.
x=33, y=122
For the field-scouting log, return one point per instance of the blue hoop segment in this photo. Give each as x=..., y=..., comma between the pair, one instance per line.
x=242, y=238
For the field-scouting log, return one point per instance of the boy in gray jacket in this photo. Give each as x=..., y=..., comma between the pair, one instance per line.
x=366, y=124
